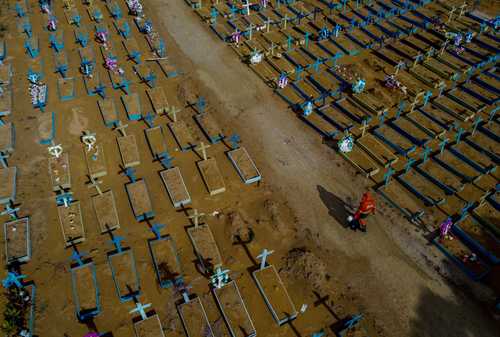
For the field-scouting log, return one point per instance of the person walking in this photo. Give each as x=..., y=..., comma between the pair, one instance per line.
x=366, y=207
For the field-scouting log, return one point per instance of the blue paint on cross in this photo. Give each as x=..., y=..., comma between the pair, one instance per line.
x=77, y=257
x=156, y=229
x=425, y=153
x=201, y=104
x=388, y=174
x=409, y=164
x=13, y=278
x=117, y=242
x=234, y=140
x=130, y=173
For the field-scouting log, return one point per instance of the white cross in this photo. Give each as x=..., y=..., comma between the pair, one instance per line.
x=172, y=112
x=284, y=21
x=250, y=31
x=55, y=150
x=247, y=5
x=363, y=127
x=89, y=139
x=121, y=128
x=268, y=24
x=399, y=66
x=203, y=148
x=263, y=256
x=195, y=216
x=94, y=183
x=450, y=15
x=462, y=9
x=140, y=308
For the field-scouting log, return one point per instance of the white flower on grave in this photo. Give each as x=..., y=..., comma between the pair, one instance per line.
x=346, y=144
x=256, y=58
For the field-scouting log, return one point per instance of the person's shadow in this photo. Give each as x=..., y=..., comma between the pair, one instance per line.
x=337, y=208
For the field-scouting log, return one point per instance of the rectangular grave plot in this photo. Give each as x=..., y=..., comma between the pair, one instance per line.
x=71, y=221
x=8, y=178
x=205, y=246
x=85, y=290
x=244, y=165
x=17, y=240
x=176, y=188
x=59, y=171
x=361, y=161
x=211, y=176
x=194, y=318
x=87, y=54
x=129, y=151
x=149, y=327
x=275, y=294
x=96, y=161
x=66, y=88
x=125, y=276
x=7, y=138
x=156, y=141
x=377, y=150
x=165, y=261
x=105, y=210
x=108, y=111
x=140, y=200
x=132, y=106
x=234, y=310
x=158, y=100
x=473, y=234
x=209, y=127
x=6, y=102
x=182, y=135
x=453, y=108
x=5, y=74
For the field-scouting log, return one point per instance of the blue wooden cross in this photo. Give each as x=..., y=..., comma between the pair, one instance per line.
x=358, y=86
x=425, y=153
x=337, y=56
x=56, y=44
x=149, y=118
x=344, y=3
x=166, y=160
x=213, y=15
x=13, y=278
x=298, y=72
x=289, y=41
x=317, y=64
x=115, y=10
x=20, y=10
x=140, y=308
x=458, y=135
x=82, y=37
x=65, y=198
x=117, y=242
x=409, y=164
x=476, y=123
x=337, y=29
x=401, y=106
x=353, y=321
x=220, y=278
x=427, y=96
x=32, y=47
x=442, y=145
x=77, y=257
x=234, y=140
x=130, y=173
x=381, y=118
x=306, y=39
x=124, y=29
x=3, y=160
x=492, y=114
x=156, y=230
x=27, y=28
x=201, y=104
x=10, y=210
x=388, y=174
x=233, y=10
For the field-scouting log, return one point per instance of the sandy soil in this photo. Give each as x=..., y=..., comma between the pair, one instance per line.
x=388, y=274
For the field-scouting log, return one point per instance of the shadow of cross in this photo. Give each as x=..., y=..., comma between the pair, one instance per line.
x=289, y=322
x=244, y=244
x=323, y=301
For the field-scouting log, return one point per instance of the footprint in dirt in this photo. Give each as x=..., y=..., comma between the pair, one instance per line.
x=78, y=122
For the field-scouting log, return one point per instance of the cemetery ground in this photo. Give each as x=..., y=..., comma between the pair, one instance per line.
x=392, y=275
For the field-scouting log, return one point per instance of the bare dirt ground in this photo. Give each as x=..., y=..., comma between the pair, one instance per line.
x=388, y=274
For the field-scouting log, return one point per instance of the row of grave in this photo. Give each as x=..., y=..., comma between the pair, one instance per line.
x=83, y=271
x=305, y=70
x=20, y=291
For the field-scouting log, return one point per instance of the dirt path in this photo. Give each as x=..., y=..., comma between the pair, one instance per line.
x=388, y=270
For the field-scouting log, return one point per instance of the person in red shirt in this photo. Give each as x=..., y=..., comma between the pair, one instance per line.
x=366, y=207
